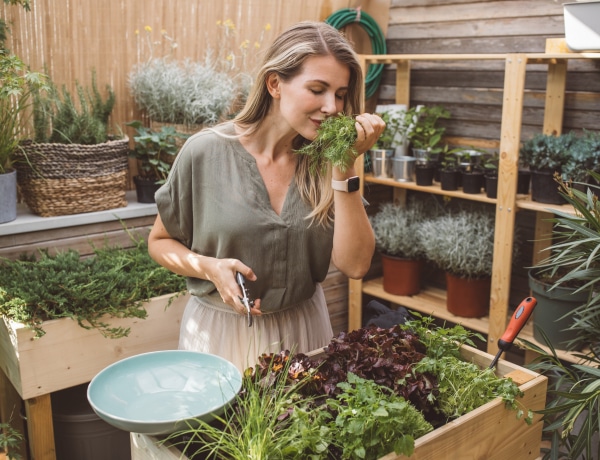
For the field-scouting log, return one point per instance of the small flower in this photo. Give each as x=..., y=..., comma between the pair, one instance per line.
x=268, y=27
x=229, y=57
x=148, y=29
x=137, y=31
x=244, y=44
x=256, y=45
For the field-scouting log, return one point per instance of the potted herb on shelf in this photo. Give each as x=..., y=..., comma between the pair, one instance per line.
x=426, y=134
x=396, y=231
x=546, y=155
x=155, y=152
x=471, y=170
x=490, y=172
x=461, y=243
x=449, y=171
x=584, y=156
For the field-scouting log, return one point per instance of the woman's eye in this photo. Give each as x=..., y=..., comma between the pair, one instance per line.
x=317, y=91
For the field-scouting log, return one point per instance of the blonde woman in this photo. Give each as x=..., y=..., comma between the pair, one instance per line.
x=239, y=199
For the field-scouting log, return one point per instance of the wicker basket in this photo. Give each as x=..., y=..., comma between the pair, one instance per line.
x=63, y=179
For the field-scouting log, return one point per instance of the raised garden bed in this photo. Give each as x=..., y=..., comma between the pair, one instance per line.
x=69, y=355
x=492, y=431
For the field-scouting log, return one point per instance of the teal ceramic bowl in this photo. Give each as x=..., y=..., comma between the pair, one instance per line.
x=162, y=392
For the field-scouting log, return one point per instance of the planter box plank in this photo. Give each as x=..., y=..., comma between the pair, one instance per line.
x=69, y=355
x=491, y=431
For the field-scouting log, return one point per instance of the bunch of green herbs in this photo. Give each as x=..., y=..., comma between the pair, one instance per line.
x=113, y=282
x=333, y=145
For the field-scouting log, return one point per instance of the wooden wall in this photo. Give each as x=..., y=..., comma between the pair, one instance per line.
x=472, y=91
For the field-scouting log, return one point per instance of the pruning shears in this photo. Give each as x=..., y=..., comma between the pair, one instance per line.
x=246, y=300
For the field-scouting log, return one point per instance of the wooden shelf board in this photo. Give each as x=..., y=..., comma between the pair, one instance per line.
x=435, y=189
x=533, y=58
x=430, y=301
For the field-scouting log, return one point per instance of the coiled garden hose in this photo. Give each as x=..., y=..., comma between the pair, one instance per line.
x=346, y=16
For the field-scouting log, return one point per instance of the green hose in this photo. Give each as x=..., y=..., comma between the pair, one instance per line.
x=346, y=16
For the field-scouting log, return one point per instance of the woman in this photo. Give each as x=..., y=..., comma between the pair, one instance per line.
x=239, y=199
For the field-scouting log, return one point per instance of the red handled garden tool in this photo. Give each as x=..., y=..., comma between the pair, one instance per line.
x=517, y=321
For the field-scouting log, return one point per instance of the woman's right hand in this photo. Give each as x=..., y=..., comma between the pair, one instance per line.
x=222, y=274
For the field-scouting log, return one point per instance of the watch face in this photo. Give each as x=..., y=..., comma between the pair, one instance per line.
x=353, y=184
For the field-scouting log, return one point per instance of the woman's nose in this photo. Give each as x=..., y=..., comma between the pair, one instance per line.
x=329, y=105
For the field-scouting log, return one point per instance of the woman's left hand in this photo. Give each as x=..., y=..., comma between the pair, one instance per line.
x=369, y=127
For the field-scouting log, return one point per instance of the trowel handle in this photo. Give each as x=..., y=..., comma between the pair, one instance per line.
x=516, y=323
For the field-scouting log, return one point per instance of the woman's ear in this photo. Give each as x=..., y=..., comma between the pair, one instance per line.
x=273, y=84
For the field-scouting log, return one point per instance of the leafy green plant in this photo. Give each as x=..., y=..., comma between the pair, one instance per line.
x=10, y=439
x=59, y=119
x=426, y=133
x=545, y=151
x=113, y=282
x=397, y=125
x=155, y=150
x=334, y=144
x=397, y=228
x=584, y=156
x=460, y=242
x=371, y=421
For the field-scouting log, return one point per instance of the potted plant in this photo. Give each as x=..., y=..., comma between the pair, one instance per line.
x=74, y=163
x=396, y=231
x=490, y=172
x=546, y=155
x=189, y=94
x=15, y=98
x=461, y=243
x=155, y=152
x=449, y=171
x=584, y=156
x=426, y=134
x=472, y=170
x=571, y=415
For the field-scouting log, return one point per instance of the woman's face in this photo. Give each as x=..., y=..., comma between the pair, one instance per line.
x=317, y=92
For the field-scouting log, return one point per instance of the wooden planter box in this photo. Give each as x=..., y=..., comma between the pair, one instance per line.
x=490, y=432
x=69, y=355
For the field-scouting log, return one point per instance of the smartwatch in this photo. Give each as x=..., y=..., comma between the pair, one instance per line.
x=352, y=184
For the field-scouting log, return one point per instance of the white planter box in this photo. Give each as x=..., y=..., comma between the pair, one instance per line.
x=582, y=26
x=69, y=355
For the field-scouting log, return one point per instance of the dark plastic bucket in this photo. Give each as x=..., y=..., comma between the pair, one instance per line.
x=80, y=434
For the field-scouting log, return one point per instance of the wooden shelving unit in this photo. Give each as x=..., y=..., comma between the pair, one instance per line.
x=432, y=301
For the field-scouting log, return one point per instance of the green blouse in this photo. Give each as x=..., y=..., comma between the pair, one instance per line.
x=216, y=203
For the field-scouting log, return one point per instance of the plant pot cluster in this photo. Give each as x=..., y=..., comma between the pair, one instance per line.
x=459, y=243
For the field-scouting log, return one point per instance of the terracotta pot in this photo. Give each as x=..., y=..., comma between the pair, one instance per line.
x=469, y=298
x=401, y=276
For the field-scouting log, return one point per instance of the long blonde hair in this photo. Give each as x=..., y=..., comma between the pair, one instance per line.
x=285, y=57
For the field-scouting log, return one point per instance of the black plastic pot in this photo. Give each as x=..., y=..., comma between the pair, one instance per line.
x=523, y=180
x=145, y=188
x=491, y=185
x=449, y=180
x=424, y=174
x=544, y=189
x=472, y=182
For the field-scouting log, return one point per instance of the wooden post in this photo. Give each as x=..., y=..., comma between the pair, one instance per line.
x=40, y=428
x=512, y=114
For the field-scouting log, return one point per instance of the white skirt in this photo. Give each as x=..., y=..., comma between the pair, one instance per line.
x=209, y=326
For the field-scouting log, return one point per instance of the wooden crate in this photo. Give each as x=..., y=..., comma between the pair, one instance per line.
x=69, y=355
x=492, y=431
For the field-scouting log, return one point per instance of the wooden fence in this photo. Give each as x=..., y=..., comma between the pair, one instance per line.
x=70, y=39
